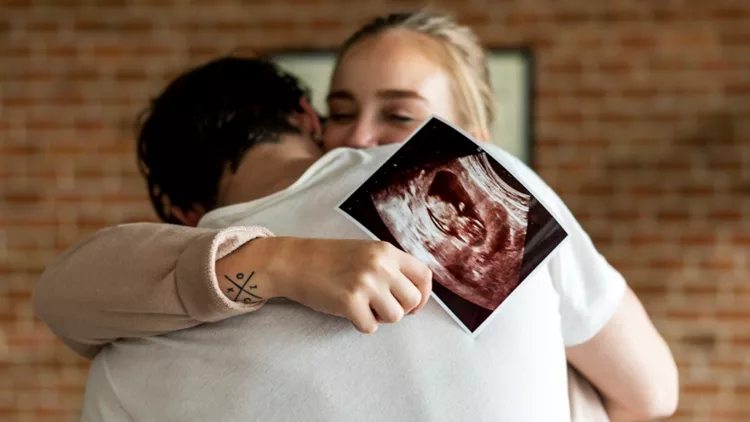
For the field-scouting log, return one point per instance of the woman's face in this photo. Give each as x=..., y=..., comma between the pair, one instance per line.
x=383, y=89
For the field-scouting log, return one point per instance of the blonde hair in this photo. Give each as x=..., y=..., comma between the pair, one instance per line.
x=465, y=60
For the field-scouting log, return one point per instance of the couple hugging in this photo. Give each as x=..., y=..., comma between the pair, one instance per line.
x=260, y=302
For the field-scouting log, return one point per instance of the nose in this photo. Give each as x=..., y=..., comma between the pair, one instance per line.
x=362, y=135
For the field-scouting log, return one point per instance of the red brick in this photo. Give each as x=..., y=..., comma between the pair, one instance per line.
x=15, y=4
x=568, y=117
x=638, y=42
x=733, y=315
x=652, y=290
x=700, y=289
x=33, y=75
x=523, y=18
x=664, y=64
x=37, y=125
x=21, y=197
x=646, y=191
x=42, y=26
x=82, y=75
x=136, y=26
x=593, y=143
x=726, y=215
x=706, y=342
x=615, y=66
x=623, y=215
x=696, y=190
x=620, y=16
x=615, y=117
x=278, y=25
x=18, y=150
x=665, y=117
x=12, y=102
x=730, y=13
x=674, y=163
x=153, y=50
x=738, y=89
x=587, y=41
x=564, y=67
x=590, y=93
x=668, y=15
x=640, y=93
x=118, y=149
x=730, y=415
x=67, y=149
x=718, y=65
x=539, y=42
x=110, y=51
x=131, y=75
x=571, y=17
x=701, y=389
x=739, y=40
x=673, y=215
x=334, y=24
x=741, y=239
x=646, y=240
x=596, y=190
x=90, y=125
x=666, y=263
x=698, y=239
x=548, y=143
x=726, y=365
x=717, y=264
x=206, y=51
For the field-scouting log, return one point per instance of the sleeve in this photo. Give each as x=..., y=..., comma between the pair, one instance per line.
x=137, y=280
x=590, y=289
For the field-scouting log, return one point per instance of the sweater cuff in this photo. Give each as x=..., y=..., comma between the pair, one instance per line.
x=195, y=274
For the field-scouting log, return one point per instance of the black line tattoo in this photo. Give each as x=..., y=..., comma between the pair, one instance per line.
x=242, y=288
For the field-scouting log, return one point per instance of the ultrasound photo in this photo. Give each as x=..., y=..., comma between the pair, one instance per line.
x=442, y=198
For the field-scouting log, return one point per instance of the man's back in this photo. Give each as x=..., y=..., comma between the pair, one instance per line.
x=287, y=362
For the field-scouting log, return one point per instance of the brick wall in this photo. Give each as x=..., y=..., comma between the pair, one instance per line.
x=643, y=126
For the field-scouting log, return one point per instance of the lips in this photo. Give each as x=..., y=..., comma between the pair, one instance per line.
x=452, y=211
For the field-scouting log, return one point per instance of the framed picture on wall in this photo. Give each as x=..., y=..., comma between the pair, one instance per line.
x=511, y=74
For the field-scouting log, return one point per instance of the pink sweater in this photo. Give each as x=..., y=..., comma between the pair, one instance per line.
x=147, y=279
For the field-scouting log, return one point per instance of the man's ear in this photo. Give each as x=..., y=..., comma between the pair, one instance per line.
x=309, y=119
x=188, y=218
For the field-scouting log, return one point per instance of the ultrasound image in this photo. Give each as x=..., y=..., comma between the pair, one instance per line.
x=464, y=222
x=442, y=198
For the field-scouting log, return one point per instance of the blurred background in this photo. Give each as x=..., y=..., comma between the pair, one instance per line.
x=641, y=123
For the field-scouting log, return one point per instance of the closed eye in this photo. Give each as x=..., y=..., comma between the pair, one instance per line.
x=400, y=118
x=338, y=117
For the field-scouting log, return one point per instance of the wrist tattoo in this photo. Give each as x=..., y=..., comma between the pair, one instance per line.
x=243, y=289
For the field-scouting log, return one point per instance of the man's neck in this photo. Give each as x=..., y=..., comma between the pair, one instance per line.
x=266, y=176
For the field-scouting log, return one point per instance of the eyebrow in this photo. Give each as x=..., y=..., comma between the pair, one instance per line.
x=389, y=94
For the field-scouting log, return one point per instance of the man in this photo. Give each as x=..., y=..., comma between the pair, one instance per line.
x=288, y=363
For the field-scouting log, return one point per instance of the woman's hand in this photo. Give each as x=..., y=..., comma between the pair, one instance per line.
x=364, y=281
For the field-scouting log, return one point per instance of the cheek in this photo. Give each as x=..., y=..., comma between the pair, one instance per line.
x=365, y=134
x=333, y=136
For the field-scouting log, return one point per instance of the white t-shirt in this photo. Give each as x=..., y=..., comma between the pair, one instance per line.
x=286, y=362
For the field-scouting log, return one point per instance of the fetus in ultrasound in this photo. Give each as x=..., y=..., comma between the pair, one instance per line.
x=462, y=220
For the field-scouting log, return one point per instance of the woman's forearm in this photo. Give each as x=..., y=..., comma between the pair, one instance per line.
x=137, y=280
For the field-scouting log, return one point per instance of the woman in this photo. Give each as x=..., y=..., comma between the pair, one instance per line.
x=436, y=66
